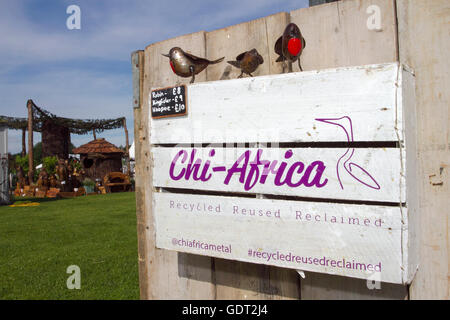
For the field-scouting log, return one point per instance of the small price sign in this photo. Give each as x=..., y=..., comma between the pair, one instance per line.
x=168, y=102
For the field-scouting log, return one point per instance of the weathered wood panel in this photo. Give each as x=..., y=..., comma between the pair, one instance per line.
x=337, y=34
x=142, y=175
x=284, y=108
x=259, y=34
x=352, y=47
x=427, y=23
x=318, y=286
x=171, y=275
x=239, y=280
x=410, y=167
x=290, y=234
x=382, y=179
x=55, y=140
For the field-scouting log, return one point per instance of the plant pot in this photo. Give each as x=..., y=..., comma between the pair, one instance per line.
x=89, y=189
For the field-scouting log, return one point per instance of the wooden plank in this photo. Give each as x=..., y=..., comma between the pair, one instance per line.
x=239, y=280
x=411, y=167
x=337, y=34
x=137, y=60
x=427, y=21
x=327, y=287
x=296, y=234
x=259, y=34
x=378, y=54
x=256, y=109
x=170, y=275
x=162, y=75
x=137, y=72
x=327, y=179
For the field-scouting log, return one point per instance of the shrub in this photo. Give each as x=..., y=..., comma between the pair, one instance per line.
x=22, y=162
x=49, y=164
x=88, y=183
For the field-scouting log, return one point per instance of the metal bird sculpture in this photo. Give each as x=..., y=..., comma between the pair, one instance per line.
x=248, y=62
x=290, y=46
x=354, y=170
x=187, y=65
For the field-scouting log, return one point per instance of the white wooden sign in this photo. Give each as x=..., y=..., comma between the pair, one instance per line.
x=353, y=240
x=350, y=183
x=331, y=173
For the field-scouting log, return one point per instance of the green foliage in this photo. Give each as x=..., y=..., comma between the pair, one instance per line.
x=76, y=165
x=37, y=153
x=49, y=164
x=88, y=183
x=22, y=162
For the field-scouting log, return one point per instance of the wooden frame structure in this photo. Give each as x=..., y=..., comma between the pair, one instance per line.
x=337, y=35
x=66, y=133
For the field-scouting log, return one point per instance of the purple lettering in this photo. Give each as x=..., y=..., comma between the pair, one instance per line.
x=316, y=180
x=174, y=161
x=290, y=173
x=235, y=168
x=280, y=170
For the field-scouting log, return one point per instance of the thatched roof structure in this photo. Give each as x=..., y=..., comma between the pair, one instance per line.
x=100, y=146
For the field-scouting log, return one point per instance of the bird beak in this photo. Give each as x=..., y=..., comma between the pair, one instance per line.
x=165, y=55
x=326, y=120
x=336, y=121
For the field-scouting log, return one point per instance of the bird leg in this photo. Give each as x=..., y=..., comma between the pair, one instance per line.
x=191, y=69
x=299, y=65
x=290, y=66
x=240, y=76
x=250, y=75
x=284, y=66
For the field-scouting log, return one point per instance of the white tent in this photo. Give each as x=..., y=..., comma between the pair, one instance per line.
x=4, y=185
x=131, y=151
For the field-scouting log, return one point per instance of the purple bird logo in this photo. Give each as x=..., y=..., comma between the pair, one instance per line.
x=353, y=169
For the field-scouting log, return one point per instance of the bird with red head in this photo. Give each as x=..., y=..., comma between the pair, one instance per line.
x=290, y=46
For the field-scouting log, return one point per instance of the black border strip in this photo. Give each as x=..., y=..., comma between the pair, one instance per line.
x=361, y=144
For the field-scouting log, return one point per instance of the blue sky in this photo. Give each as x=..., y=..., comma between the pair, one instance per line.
x=87, y=73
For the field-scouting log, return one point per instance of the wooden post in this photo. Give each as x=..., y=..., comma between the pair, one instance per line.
x=343, y=27
x=427, y=21
x=30, y=142
x=127, y=145
x=236, y=280
x=166, y=274
x=137, y=62
x=346, y=20
x=24, y=147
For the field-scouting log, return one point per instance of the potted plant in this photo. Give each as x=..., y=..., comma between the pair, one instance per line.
x=88, y=185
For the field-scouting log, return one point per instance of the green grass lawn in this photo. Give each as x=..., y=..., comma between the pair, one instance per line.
x=96, y=233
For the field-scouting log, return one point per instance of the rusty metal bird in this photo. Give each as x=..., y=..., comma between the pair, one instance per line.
x=248, y=62
x=290, y=46
x=187, y=65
